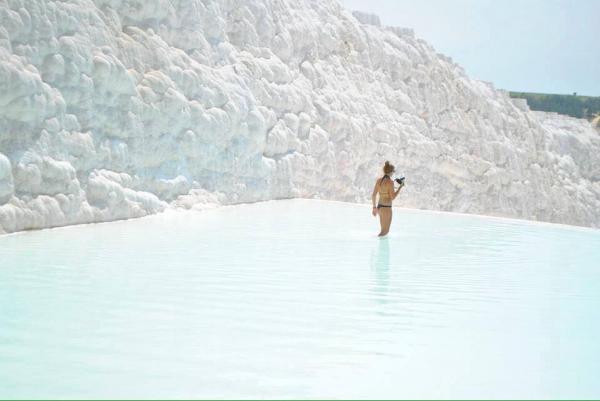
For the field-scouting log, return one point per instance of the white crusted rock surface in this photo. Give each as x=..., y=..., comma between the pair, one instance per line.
x=112, y=109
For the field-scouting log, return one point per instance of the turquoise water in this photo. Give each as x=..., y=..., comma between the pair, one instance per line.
x=300, y=299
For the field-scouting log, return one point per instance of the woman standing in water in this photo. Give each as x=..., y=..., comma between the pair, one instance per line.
x=385, y=188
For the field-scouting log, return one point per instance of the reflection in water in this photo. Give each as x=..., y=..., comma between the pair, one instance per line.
x=380, y=264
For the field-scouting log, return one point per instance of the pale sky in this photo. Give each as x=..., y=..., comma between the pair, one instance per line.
x=548, y=46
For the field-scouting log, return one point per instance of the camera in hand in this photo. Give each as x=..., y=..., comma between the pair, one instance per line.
x=400, y=181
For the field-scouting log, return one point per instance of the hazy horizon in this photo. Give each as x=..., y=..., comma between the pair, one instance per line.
x=545, y=46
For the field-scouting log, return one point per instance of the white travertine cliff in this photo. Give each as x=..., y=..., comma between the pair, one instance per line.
x=113, y=109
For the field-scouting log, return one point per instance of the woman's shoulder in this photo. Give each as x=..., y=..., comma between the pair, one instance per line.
x=383, y=181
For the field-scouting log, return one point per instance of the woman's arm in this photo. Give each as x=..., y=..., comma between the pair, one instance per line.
x=374, y=198
x=393, y=193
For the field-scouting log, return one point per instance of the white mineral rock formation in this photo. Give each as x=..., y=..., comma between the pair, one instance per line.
x=112, y=109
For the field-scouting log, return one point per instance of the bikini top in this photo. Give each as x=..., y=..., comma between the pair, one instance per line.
x=383, y=178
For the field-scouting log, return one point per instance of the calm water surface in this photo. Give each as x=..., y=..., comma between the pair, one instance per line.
x=300, y=299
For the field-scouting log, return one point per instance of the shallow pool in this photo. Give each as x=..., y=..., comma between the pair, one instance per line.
x=300, y=299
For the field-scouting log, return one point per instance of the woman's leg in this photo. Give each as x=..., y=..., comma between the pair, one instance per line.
x=388, y=220
x=385, y=219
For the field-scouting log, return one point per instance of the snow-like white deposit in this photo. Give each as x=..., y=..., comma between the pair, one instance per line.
x=114, y=109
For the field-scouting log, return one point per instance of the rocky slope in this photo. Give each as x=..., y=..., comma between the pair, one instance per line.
x=113, y=109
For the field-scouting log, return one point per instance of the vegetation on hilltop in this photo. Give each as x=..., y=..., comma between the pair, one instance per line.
x=573, y=105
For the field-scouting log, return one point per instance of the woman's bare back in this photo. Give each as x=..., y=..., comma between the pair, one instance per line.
x=383, y=189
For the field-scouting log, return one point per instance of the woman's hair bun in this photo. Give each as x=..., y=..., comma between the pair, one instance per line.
x=388, y=168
